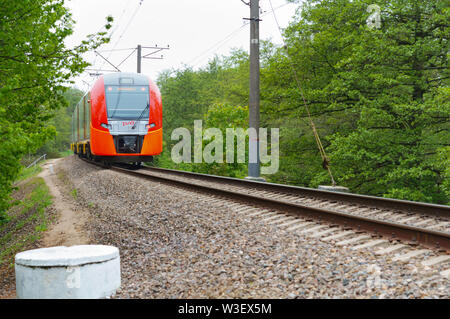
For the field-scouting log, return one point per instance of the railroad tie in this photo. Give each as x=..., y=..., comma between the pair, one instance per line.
x=411, y=254
x=323, y=233
x=438, y=225
x=352, y=240
x=368, y=212
x=282, y=219
x=371, y=243
x=436, y=260
x=234, y=205
x=389, y=249
x=406, y=219
x=248, y=210
x=423, y=222
x=260, y=212
x=312, y=229
x=342, y=207
x=277, y=216
x=297, y=226
x=382, y=215
x=338, y=235
x=269, y=214
x=295, y=221
x=240, y=208
x=445, y=273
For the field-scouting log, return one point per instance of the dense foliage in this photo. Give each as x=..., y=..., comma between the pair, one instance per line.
x=62, y=122
x=35, y=66
x=379, y=98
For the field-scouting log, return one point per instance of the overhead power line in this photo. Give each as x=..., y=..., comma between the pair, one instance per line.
x=123, y=32
x=126, y=57
x=227, y=38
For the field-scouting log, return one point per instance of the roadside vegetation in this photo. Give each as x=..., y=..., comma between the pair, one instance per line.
x=28, y=172
x=36, y=71
x=27, y=218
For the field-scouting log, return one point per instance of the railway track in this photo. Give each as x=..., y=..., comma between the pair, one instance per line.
x=416, y=223
x=408, y=229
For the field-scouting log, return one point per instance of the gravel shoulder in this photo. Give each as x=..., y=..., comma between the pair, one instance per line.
x=174, y=245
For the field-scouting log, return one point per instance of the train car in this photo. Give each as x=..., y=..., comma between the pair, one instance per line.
x=119, y=120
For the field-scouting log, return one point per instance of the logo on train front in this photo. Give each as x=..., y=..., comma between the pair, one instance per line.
x=127, y=123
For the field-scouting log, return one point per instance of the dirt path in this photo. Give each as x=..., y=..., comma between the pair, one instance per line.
x=69, y=227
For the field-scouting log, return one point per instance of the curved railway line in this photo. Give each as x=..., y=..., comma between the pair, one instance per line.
x=410, y=229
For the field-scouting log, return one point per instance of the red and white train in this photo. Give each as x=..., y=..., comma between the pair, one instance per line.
x=119, y=120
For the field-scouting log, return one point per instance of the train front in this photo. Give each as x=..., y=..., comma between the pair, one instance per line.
x=126, y=118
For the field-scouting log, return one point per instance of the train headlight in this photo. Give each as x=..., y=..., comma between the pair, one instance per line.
x=150, y=125
x=108, y=126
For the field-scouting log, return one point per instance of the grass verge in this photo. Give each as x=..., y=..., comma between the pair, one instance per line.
x=27, y=220
x=29, y=172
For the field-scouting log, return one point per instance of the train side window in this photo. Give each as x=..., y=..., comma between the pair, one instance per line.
x=88, y=122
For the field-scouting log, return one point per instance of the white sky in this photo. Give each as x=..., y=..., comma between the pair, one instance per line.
x=195, y=30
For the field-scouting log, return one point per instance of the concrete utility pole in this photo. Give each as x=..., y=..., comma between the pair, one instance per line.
x=254, y=168
x=139, y=53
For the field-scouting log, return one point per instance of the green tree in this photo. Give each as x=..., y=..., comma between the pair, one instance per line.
x=62, y=122
x=379, y=97
x=187, y=95
x=223, y=116
x=35, y=66
x=392, y=85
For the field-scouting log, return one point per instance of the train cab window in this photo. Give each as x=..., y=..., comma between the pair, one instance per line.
x=126, y=102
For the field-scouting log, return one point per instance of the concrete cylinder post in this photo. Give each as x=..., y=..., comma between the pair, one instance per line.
x=76, y=272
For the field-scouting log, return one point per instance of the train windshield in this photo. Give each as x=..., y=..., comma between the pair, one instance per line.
x=126, y=102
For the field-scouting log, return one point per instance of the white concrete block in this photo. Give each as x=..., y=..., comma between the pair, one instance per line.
x=85, y=271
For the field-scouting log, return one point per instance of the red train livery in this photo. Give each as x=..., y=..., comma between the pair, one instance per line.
x=119, y=120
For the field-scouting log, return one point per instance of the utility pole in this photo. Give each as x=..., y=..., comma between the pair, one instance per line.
x=254, y=163
x=139, y=53
x=155, y=49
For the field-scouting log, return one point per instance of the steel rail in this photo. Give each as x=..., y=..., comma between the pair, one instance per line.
x=392, y=230
x=366, y=200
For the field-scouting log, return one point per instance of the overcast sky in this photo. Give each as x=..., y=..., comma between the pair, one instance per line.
x=195, y=30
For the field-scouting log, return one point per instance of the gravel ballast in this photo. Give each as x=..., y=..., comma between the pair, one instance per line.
x=173, y=245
